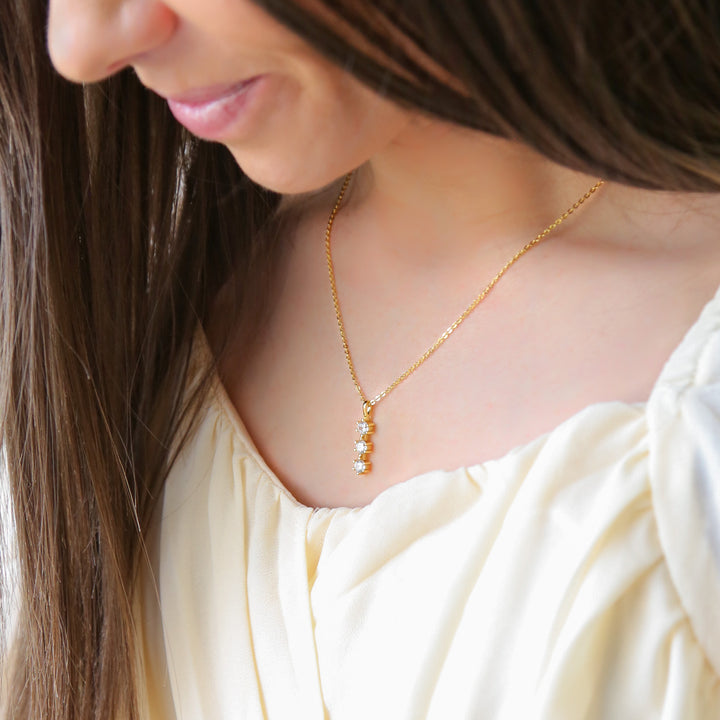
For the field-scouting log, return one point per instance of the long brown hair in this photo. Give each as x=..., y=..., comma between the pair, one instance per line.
x=117, y=230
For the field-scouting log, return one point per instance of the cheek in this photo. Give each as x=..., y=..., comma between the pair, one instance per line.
x=325, y=125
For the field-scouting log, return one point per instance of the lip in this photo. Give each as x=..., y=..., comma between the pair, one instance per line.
x=216, y=111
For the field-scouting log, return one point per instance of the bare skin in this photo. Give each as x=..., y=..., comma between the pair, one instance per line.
x=589, y=316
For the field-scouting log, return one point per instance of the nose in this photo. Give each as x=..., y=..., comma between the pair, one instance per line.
x=91, y=39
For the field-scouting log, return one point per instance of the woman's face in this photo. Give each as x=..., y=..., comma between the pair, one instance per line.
x=232, y=74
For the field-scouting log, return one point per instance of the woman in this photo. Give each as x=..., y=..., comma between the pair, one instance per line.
x=176, y=561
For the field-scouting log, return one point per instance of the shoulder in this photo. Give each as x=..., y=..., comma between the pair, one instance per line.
x=684, y=427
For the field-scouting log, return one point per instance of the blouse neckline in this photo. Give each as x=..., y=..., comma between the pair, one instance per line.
x=677, y=369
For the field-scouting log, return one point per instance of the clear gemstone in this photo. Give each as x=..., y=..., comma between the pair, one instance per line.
x=361, y=447
x=363, y=427
x=359, y=466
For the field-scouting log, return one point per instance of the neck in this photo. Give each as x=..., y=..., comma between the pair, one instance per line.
x=437, y=182
x=445, y=202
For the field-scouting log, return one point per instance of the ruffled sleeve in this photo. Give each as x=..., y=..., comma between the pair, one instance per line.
x=684, y=426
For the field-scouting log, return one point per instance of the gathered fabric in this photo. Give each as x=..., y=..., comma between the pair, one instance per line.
x=576, y=577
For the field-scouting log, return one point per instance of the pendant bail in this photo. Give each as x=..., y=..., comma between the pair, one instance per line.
x=367, y=411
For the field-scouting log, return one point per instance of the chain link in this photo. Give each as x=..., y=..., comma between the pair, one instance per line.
x=463, y=316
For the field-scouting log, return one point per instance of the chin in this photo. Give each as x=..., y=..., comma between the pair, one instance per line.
x=290, y=178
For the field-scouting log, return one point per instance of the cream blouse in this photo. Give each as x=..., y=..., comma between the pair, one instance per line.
x=577, y=577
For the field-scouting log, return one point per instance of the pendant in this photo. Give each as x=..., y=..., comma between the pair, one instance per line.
x=363, y=446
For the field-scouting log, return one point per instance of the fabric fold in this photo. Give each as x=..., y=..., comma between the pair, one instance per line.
x=577, y=576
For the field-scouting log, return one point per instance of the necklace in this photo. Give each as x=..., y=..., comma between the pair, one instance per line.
x=366, y=426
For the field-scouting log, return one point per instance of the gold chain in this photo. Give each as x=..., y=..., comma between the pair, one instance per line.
x=366, y=427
